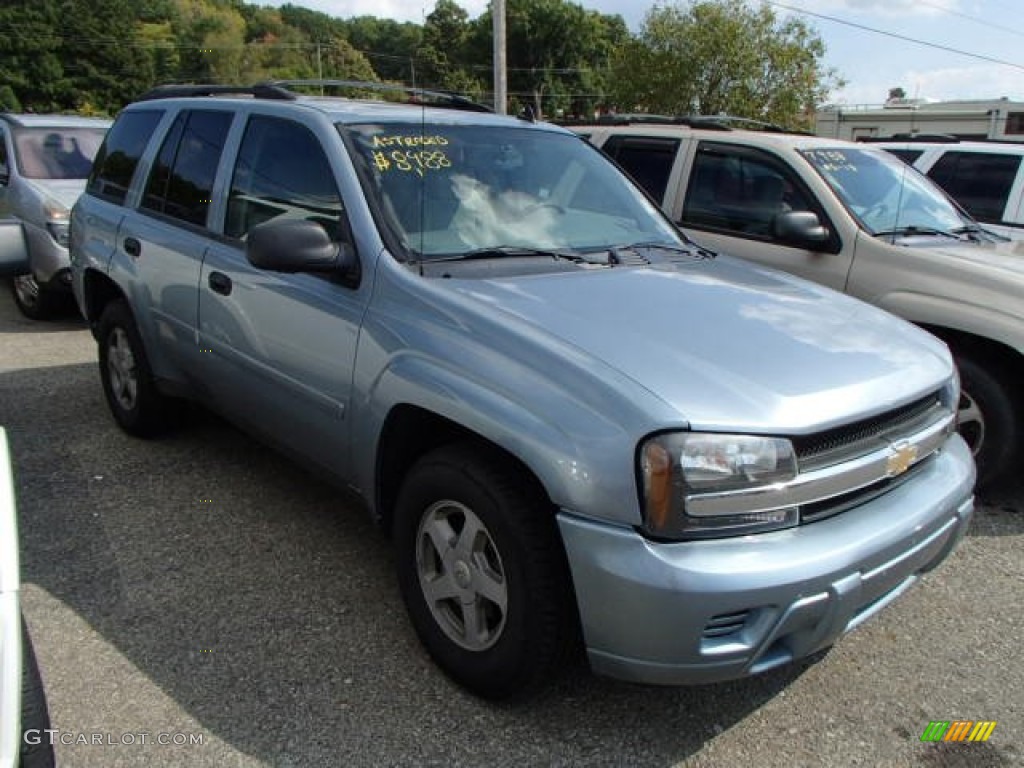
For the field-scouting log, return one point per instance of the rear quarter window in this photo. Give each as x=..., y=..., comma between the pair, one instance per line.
x=117, y=159
x=979, y=181
x=647, y=159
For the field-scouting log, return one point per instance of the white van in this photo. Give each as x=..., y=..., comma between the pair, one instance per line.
x=983, y=176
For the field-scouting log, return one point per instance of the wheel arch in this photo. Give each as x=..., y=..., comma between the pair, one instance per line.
x=98, y=290
x=979, y=348
x=410, y=432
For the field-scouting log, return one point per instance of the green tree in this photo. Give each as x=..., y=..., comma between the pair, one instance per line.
x=389, y=46
x=105, y=62
x=30, y=57
x=441, y=61
x=558, y=53
x=723, y=57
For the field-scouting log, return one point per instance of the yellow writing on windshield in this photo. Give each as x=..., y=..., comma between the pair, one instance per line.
x=398, y=140
x=411, y=161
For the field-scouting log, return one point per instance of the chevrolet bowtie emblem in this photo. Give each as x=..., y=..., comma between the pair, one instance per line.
x=903, y=455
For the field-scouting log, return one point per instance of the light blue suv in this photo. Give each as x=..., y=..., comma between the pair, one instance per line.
x=578, y=425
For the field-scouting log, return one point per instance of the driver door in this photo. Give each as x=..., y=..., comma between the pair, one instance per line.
x=278, y=349
x=731, y=197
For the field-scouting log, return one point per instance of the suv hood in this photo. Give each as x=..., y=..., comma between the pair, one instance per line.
x=727, y=345
x=64, y=191
x=1004, y=256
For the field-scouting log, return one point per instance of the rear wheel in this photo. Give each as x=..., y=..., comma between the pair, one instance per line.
x=990, y=421
x=482, y=571
x=135, y=402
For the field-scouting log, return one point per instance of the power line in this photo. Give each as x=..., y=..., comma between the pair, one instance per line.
x=975, y=19
x=905, y=38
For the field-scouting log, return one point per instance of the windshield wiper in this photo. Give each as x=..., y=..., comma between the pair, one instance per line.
x=916, y=230
x=978, y=232
x=690, y=249
x=508, y=251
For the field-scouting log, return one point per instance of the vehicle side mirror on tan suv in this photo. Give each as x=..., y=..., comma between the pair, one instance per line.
x=801, y=228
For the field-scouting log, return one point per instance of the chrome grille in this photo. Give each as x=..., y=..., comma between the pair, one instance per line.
x=840, y=443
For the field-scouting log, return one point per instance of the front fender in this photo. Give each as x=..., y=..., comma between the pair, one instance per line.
x=583, y=460
x=963, y=314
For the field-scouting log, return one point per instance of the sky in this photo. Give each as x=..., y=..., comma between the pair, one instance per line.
x=992, y=31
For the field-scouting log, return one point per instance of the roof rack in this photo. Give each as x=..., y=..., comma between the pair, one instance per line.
x=444, y=99
x=932, y=138
x=705, y=122
x=259, y=91
x=283, y=90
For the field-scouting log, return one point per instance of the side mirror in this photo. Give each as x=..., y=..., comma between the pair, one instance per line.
x=800, y=228
x=297, y=245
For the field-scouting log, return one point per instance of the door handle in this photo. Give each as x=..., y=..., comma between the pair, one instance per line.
x=220, y=283
x=132, y=247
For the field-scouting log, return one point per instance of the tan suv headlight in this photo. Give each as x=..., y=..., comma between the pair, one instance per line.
x=677, y=466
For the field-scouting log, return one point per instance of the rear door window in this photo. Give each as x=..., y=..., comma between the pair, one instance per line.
x=180, y=185
x=979, y=181
x=908, y=156
x=648, y=159
x=117, y=159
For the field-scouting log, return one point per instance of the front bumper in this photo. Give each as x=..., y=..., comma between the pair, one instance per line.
x=48, y=260
x=707, y=611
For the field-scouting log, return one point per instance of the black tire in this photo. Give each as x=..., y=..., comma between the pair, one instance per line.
x=135, y=402
x=37, y=751
x=519, y=549
x=990, y=421
x=35, y=301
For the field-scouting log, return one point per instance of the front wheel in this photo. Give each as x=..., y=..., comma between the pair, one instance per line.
x=33, y=300
x=989, y=421
x=482, y=571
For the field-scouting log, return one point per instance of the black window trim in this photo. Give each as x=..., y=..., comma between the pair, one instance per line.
x=202, y=229
x=140, y=163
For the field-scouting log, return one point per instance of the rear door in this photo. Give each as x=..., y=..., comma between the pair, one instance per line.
x=164, y=239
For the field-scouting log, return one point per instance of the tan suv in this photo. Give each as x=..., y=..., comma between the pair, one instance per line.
x=857, y=219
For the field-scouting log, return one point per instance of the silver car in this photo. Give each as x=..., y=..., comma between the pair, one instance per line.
x=575, y=422
x=44, y=162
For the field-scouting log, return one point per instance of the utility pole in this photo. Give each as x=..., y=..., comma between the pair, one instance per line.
x=500, y=72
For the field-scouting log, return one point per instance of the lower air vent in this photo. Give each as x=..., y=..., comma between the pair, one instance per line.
x=725, y=624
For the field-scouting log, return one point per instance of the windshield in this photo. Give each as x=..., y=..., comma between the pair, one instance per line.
x=449, y=190
x=885, y=194
x=56, y=153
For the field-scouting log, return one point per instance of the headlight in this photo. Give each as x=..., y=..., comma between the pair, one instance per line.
x=678, y=466
x=57, y=216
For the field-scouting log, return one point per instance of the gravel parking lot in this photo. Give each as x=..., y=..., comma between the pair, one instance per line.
x=202, y=588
